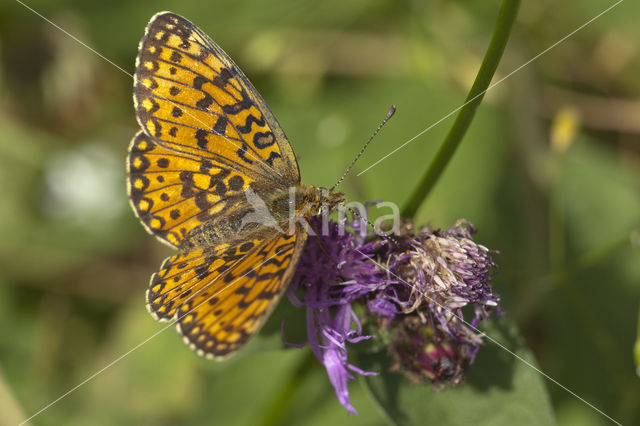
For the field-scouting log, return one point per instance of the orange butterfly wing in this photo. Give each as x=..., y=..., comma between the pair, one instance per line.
x=220, y=299
x=192, y=98
x=172, y=192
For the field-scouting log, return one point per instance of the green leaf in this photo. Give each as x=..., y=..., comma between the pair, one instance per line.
x=500, y=389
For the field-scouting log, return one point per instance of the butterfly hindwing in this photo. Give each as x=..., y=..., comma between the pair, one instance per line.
x=192, y=98
x=172, y=192
x=220, y=299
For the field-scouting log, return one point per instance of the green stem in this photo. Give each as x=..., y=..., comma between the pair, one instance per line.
x=636, y=347
x=504, y=24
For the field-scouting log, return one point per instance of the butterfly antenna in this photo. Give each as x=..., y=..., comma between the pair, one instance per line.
x=392, y=111
x=380, y=234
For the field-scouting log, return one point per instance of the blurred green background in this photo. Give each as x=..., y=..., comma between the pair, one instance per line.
x=549, y=173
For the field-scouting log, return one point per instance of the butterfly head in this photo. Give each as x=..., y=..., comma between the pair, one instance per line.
x=323, y=198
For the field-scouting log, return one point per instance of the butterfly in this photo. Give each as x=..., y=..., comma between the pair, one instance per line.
x=212, y=174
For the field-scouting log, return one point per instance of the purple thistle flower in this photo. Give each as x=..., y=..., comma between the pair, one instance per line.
x=415, y=290
x=335, y=271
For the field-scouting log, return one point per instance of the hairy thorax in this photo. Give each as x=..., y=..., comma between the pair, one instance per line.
x=257, y=214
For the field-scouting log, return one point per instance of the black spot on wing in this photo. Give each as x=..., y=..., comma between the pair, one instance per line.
x=272, y=156
x=242, y=151
x=222, y=78
x=236, y=183
x=201, y=137
x=263, y=140
x=221, y=125
x=244, y=103
x=205, y=102
x=248, y=122
x=176, y=57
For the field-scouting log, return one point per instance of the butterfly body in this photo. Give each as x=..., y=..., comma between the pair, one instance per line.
x=278, y=209
x=212, y=174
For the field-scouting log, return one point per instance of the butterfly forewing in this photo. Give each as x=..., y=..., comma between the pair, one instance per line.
x=192, y=98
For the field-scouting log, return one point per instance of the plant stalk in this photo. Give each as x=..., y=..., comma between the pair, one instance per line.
x=501, y=33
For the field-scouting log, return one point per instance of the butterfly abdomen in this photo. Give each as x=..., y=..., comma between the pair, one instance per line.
x=223, y=230
x=254, y=215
